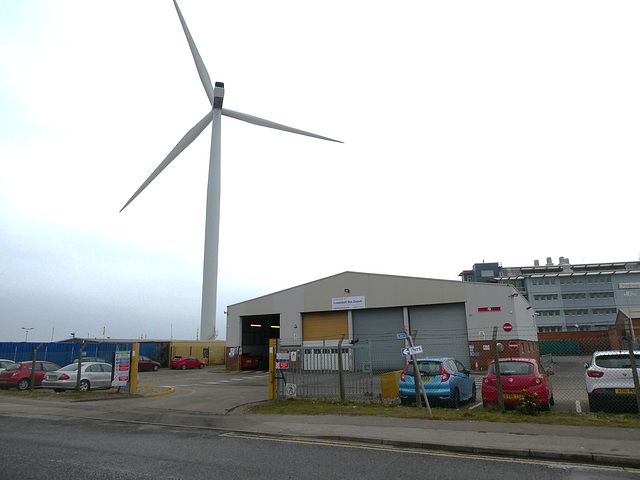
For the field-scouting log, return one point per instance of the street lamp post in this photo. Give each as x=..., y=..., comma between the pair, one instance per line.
x=26, y=329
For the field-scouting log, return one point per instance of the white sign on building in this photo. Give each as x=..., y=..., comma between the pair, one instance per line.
x=347, y=303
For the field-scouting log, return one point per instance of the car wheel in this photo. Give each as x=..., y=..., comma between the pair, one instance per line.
x=155, y=368
x=455, y=401
x=545, y=406
x=405, y=401
x=201, y=365
x=183, y=367
x=552, y=401
x=593, y=404
x=85, y=386
x=23, y=384
x=473, y=394
x=58, y=390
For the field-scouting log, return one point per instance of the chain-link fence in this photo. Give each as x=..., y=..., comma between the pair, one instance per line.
x=581, y=379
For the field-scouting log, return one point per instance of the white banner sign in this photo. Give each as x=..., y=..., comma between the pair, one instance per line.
x=347, y=303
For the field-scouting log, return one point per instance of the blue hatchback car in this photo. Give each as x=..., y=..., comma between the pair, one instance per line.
x=445, y=380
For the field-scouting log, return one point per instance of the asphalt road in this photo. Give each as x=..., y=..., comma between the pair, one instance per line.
x=210, y=390
x=40, y=448
x=215, y=391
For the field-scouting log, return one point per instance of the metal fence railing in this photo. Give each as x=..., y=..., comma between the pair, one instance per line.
x=371, y=372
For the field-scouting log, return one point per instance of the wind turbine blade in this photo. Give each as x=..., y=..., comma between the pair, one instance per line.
x=269, y=124
x=202, y=70
x=182, y=144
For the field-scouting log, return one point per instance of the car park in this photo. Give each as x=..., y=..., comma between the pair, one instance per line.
x=445, y=380
x=4, y=363
x=145, y=364
x=94, y=375
x=18, y=375
x=609, y=381
x=186, y=361
x=519, y=376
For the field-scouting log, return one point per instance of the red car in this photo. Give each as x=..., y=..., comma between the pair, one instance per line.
x=186, y=361
x=518, y=375
x=145, y=363
x=19, y=374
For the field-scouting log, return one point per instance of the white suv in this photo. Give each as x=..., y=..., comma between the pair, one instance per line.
x=610, y=380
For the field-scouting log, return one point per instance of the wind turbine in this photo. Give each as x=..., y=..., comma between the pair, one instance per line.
x=212, y=224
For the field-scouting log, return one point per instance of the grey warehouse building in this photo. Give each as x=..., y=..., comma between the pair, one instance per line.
x=569, y=297
x=452, y=318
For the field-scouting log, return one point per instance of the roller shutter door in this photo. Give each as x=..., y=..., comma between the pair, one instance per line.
x=379, y=327
x=442, y=330
x=325, y=326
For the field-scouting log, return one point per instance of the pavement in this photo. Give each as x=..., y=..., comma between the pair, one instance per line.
x=592, y=445
x=618, y=447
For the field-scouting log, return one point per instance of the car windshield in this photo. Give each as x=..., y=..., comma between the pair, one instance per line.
x=429, y=368
x=613, y=361
x=70, y=368
x=513, y=368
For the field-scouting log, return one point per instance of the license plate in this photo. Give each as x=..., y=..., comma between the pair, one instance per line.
x=625, y=390
x=512, y=395
x=426, y=379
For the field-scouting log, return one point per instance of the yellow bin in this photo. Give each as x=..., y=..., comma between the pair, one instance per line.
x=389, y=384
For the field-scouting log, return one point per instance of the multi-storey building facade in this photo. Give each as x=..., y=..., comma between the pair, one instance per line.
x=569, y=297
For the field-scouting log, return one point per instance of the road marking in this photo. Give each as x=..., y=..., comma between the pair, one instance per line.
x=433, y=453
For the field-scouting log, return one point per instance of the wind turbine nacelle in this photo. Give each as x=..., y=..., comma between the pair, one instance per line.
x=218, y=95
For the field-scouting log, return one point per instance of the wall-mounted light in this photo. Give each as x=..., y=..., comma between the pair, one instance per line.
x=346, y=290
x=255, y=325
x=275, y=326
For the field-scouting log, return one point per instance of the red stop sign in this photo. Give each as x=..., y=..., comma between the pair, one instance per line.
x=513, y=345
x=507, y=327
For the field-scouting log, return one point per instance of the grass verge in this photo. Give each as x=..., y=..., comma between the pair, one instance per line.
x=320, y=407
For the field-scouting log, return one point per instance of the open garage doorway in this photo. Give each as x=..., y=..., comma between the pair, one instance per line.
x=256, y=332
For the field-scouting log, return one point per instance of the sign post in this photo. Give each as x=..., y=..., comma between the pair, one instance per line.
x=412, y=351
x=496, y=367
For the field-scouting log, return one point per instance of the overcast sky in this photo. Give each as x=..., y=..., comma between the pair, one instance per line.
x=497, y=131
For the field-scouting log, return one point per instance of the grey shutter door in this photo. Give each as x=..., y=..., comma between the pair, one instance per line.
x=442, y=330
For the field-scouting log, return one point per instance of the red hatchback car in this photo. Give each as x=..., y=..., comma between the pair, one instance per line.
x=518, y=375
x=19, y=374
x=186, y=361
x=145, y=363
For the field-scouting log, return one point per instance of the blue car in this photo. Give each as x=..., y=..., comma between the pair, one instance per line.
x=445, y=380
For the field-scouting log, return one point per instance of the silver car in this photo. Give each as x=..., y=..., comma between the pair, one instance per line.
x=5, y=363
x=94, y=375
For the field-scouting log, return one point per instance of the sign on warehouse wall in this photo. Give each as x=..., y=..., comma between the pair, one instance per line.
x=347, y=303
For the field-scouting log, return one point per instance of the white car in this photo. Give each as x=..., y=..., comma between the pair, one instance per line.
x=610, y=380
x=94, y=375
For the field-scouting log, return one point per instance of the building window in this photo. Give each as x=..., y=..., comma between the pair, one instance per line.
x=546, y=297
x=601, y=295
